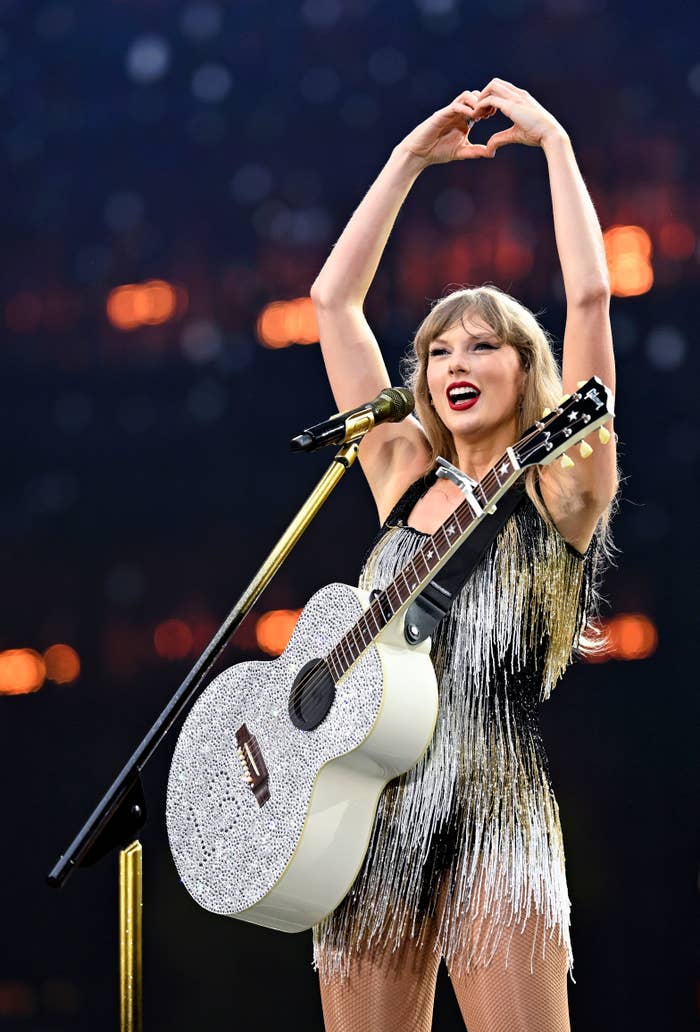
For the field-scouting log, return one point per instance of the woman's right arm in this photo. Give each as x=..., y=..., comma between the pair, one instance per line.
x=354, y=363
x=393, y=454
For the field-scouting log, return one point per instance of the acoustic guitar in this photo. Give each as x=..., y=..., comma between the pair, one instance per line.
x=279, y=766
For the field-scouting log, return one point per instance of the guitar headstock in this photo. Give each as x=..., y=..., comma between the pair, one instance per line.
x=587, y=409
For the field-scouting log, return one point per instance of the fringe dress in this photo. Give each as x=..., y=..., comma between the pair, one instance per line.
x=479, y=805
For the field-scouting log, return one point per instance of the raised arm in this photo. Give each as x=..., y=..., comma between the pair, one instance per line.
x=395, y=453
x=577, y=497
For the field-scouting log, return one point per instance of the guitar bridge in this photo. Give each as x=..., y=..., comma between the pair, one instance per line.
x=254, y=772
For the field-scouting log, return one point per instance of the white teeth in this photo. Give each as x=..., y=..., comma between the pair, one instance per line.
x=458, y=394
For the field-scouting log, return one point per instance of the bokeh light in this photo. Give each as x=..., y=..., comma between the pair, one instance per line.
x=143, y=304
x=62, y=664
x=282, y=323
x=173, y=639
x=21, y=671
x=628, y=252
x=201, y=21
x=666, y=348
x=211, y=83
x=626, y=636
x=147, y=59
x=274, y=629
x=201, y=341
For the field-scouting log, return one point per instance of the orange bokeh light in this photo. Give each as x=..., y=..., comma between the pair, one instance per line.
x=62, y=664
x=676, y=240
x=282, y=323
x=633, y=636
x=274, y=629
x=626, y=636
x=21, y=671
x=628, y=253
x=145, y=304
x=172, y=639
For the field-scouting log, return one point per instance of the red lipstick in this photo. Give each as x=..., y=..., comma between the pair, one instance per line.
x=462, y=395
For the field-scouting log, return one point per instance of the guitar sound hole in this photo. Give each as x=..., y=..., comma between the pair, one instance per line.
x=312, y=695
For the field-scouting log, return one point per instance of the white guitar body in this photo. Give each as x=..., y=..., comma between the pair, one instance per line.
x=287, y=862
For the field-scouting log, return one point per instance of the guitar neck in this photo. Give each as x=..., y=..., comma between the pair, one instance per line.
x=427, y=561
x=576, y=415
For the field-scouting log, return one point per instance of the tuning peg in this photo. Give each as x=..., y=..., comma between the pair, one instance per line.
x=565, y=462
x=584, y=449
x=603, y=435
x=564, y=397
x=581, y=383
x=546, y=412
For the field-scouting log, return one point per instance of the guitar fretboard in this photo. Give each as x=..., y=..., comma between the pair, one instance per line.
x=433, y=554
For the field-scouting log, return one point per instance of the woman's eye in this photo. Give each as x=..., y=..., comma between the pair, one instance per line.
x=438, y=351
x=485, y=344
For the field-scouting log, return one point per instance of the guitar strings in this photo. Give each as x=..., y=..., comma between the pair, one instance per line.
x=310, y=686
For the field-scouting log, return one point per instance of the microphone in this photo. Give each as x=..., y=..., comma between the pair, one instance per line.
x=390, y=406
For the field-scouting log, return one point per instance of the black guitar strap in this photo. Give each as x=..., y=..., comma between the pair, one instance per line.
x=428, y=609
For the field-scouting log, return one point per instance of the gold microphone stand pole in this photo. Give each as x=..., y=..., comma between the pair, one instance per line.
x=130, y=938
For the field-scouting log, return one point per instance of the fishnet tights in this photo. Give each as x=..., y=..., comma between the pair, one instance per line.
x=518, y=991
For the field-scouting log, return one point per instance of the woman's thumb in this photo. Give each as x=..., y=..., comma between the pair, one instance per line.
x=499, y=140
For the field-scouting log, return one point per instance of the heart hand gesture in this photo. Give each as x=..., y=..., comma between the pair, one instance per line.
x=444, y=136
x=532, y=124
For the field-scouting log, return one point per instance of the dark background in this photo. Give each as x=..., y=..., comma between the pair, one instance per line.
x=146, y=473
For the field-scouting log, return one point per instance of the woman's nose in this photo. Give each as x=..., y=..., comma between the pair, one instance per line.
x=458, y=363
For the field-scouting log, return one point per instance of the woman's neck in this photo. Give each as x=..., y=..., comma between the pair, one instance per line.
x=476, y=457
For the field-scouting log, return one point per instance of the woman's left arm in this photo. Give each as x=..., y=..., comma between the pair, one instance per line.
x=575, y=498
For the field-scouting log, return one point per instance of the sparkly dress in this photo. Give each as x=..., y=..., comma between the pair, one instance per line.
x=479, y=806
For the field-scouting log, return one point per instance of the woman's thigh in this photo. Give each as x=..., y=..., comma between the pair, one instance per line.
x=523, y=988
x=385, y=990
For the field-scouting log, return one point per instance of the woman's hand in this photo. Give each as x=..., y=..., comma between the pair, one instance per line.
x=445, y=135
x=532, y=124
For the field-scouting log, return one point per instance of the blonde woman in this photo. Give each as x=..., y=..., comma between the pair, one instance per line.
x=466, y=860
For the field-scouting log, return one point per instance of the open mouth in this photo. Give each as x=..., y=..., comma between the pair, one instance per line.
x=462, y=395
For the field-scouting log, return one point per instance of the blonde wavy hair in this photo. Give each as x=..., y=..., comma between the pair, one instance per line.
x=513, y=324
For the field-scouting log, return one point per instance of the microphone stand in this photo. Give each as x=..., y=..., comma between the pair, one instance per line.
x=121, y=813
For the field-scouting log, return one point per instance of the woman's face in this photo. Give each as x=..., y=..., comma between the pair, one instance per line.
x=474, y=380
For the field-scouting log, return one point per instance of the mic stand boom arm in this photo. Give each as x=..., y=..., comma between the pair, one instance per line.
x=121, y=812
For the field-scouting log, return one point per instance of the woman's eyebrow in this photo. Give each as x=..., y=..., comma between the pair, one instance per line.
x=471, y=336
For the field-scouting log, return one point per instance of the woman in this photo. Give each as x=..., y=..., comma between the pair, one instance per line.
x=466, y=860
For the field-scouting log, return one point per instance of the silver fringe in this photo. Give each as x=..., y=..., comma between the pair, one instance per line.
x=483, y=782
